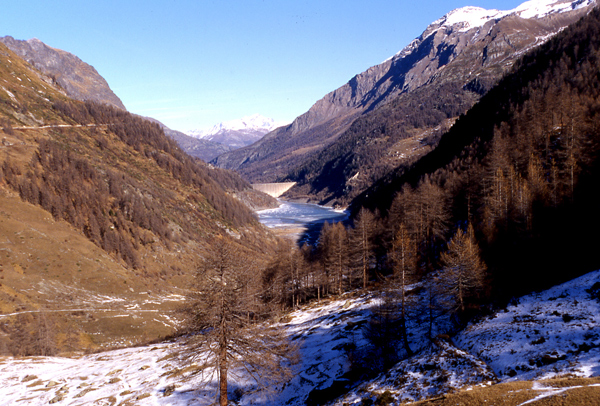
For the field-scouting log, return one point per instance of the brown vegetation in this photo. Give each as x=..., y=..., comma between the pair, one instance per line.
x=577, y=391
x=123, y=212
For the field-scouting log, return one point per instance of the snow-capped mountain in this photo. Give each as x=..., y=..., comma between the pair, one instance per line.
x=457, y=58
x=466, y=18
x=238, y=133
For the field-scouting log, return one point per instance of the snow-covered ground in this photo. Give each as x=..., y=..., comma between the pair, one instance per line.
x=543, y=335
x=150, y=375
x=553, y=333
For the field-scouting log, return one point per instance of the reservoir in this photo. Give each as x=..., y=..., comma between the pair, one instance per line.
x=300, y=221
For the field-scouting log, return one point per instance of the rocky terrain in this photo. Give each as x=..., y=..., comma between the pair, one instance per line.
x=78, y=79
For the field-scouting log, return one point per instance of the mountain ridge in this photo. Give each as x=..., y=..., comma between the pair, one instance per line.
x=80, y=80
x=286, y=153
x=237, y=133
x=96, y=201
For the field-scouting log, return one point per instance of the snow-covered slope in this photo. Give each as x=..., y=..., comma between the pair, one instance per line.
x=551, y=334
x=543, y=335
x=238, y=133
x=466, y=18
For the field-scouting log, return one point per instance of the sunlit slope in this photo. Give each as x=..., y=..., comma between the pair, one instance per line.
x=101, y=215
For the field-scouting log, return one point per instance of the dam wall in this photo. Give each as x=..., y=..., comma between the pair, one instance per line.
x=273, y=189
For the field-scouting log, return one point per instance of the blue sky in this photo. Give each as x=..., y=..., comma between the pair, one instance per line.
x=195, y=63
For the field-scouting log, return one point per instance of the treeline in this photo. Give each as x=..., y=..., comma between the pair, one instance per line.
x=394, y=257
x=521, y=166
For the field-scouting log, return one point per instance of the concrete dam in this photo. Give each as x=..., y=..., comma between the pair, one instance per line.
x=273, y=189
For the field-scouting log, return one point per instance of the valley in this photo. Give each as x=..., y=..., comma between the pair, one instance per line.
x=300, y=221
x=424, y=234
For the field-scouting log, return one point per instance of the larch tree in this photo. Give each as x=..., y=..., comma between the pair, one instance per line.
x=463, y=274
x=340, y=255
x=227, y=334
x=404, y=260
x=361, y=242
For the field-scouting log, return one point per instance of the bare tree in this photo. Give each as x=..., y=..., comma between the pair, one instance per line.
x=228, y=334
x=404, y=260
x=361, y=242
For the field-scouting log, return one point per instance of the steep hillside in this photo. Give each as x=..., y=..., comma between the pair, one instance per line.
x=80, y=80
x=521, y=166
x=103, y=218
x=394, y=111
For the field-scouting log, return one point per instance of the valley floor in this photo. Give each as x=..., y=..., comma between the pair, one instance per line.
x=543, y=338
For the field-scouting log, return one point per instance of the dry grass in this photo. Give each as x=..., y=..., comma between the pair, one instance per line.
x=46, y=267
x=576, y=391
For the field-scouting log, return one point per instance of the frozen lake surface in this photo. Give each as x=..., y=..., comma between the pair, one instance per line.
x=301, y=219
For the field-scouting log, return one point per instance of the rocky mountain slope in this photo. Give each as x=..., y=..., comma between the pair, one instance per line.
x=79, y=80
x=237, y=133
x=393, y=111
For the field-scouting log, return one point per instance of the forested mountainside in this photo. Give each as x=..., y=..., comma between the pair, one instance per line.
x=394, y=112
x=522, y=167
x=101, y=210
x=80, y=80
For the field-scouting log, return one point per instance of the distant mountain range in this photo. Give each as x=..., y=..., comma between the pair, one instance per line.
x=238, y=133
x=395, y=111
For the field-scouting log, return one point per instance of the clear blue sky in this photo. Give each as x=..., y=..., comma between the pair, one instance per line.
x=195, y=63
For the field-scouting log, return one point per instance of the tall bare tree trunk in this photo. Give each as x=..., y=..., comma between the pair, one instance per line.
x=223, y=375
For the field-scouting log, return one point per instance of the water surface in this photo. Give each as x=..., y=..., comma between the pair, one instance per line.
x=302, y=221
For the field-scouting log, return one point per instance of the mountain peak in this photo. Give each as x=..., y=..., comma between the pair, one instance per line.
x=239, y=132
x=254, y=122
x=80, y=80
x=466, y=18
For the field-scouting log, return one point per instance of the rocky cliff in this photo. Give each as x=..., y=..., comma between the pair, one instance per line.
x=79, y=79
